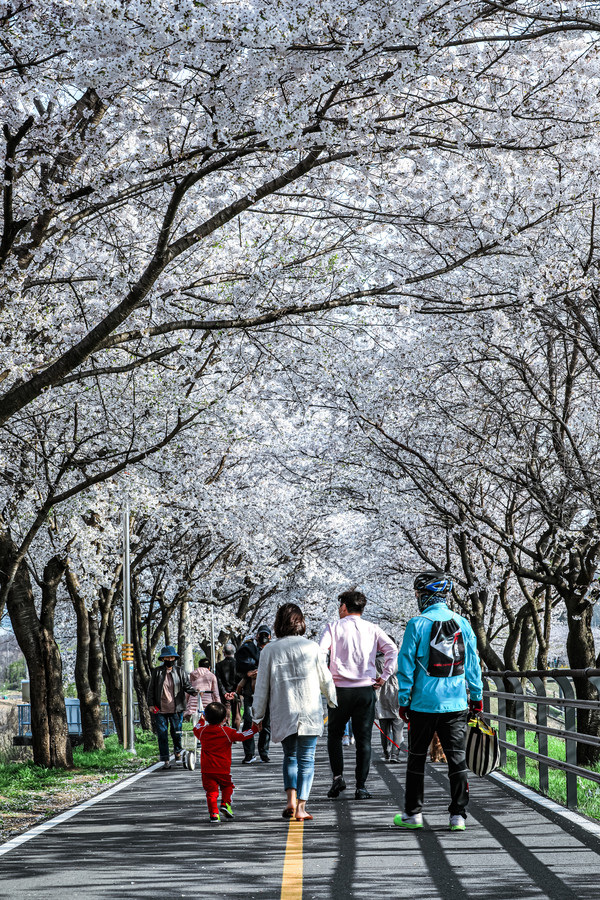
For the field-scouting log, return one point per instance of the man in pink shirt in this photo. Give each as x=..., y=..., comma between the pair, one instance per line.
x=352, y=644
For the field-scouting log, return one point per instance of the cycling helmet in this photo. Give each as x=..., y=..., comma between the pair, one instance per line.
x=432, y=587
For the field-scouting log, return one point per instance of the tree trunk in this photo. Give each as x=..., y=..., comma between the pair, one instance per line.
x=581, y=654
x=140, y=690
x=35, y=635
x=527, y=645
x=88, y=668
x=111, y=660
x=184, y=640
x=486, y=651
x=511, y=663
x=60, y=746
x=517, y=647
x=542, y=658
x=141, y=673
x=111, y=672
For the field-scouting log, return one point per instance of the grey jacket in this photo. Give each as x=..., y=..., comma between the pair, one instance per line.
x=387, y=696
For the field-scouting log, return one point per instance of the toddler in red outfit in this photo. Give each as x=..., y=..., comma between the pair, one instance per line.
x=216, y=739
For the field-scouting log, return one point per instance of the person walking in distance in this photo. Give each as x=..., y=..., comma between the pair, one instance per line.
x=437, y=661
x=208, y=689
x=390, y=723
x=226, y=673
x=246, y=660
x=292, y=676
x=166, y=700
x=352, y=644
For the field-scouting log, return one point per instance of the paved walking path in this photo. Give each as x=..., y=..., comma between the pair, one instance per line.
x=152, y=841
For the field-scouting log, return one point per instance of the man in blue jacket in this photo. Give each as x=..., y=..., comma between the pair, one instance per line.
x=437, y=660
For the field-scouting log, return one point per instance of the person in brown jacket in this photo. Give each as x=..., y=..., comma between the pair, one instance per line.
x=166, y=701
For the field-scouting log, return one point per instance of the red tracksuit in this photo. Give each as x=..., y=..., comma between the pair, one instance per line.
x=215, y=761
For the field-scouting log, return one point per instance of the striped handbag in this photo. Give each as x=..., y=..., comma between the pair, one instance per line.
x=483, y=749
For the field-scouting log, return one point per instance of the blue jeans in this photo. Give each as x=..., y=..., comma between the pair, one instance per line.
x=299, y=763
x=163, y=721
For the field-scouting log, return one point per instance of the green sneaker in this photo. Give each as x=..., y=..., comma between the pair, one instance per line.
x=214, y=820
x=405, y=821
x=227, y=810
x=457, y=823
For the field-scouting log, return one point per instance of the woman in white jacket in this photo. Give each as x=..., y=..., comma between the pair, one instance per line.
x=292, y=675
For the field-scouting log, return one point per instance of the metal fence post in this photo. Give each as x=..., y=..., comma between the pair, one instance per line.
x=568, y=690
x=520, y=730
x=487, y=701
x=499, y=682
x=542, y=739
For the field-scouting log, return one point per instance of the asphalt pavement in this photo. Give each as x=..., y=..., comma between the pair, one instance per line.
x=153, y=841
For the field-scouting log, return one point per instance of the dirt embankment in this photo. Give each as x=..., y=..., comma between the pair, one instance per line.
x=8, y=729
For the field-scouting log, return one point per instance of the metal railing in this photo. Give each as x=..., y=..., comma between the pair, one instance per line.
x=73, y=718
x=559, y=706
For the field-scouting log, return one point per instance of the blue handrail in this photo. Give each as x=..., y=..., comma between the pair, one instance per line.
x=73, y=718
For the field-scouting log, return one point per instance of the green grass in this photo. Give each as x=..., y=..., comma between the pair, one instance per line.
x=24, y=785
x=113, y=756
x=588, y=791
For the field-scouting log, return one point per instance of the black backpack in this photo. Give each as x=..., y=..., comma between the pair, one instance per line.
x=446, y=649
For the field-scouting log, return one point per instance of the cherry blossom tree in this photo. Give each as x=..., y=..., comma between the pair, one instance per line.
x=196, y=192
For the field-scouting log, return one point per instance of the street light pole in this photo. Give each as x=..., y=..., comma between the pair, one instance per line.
x=127, y=650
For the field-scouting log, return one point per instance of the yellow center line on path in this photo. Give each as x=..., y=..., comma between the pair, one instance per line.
x=291, y=882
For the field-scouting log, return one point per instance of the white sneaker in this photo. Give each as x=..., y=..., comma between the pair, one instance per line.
x=457, y=823
x=346, y=741
x=405, y=821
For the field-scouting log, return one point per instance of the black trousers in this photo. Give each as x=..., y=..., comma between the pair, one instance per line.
x=451, y=729
x=264, y=736
x=358, y=705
